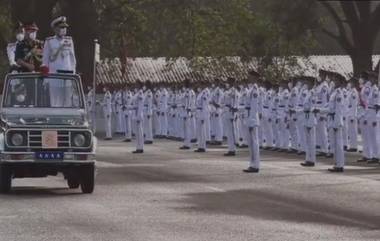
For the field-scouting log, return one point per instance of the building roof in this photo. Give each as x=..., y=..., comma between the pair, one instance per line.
x=110, y=71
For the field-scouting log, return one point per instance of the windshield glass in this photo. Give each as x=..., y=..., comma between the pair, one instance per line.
x=43, y=93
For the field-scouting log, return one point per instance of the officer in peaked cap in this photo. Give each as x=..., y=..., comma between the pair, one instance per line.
x=59, y=55
x=28, y=53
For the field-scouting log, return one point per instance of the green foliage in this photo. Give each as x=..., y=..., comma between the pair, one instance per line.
x=5, y=33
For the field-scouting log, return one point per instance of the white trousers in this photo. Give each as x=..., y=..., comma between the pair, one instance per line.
x=310, y=144
x=352, y=127
x=293, y=133
x=163, y=124
x=218, y=127
x=253, y=143
x=268, y=131
x=148, y=131
x=201, y=133
x=230, y=132
x=108, y=124
x=127, y=126
x=364, y=135
x=337, y=139
x=188, y=134
x=139, y=135
x=321, y=134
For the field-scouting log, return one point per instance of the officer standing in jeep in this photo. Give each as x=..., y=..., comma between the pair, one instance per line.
x=29, y=51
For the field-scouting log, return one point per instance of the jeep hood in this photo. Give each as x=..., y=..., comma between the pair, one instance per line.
x=43, y=117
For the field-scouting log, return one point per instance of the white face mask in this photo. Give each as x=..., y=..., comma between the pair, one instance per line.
x=349, y=86
x=33, y=35
x=361, y=81
x=20, y=36
x=290, y=85
x=332, y=85
x=62, y=32
x=20, y=98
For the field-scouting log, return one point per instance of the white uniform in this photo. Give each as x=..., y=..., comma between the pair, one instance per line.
x=107, y=110
x=292, y=118
x=310, y=123
x=364, y=96
x=189, y=106
x=119, y=112
x=148, y=113
x=336, y=109
x=58, y=54
x=253, y=122
x=230, y=103
x=322, y=96
x=217, y=123
x=163, y=111
x=267, y=116
x=352, y=115
x=127, y=113
x=372, y=123
x=138, y=117
x=202, y=104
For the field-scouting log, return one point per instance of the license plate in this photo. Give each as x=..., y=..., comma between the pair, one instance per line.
x=49, y=155
x=49, y=139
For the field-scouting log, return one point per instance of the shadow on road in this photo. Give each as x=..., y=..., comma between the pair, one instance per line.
x=38, y=192
x=262, y=205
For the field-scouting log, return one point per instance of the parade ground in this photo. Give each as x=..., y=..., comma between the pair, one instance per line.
x=167, y=194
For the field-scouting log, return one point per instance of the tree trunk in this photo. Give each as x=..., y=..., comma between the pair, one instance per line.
x=361, y=60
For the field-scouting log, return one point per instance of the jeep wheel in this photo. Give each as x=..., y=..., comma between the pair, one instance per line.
x=5, y=179
x=73, y=183
x=88, y=179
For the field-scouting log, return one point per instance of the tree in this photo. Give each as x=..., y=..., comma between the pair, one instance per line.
x=358, y=26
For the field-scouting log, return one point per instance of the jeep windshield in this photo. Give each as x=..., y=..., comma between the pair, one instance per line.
x=40, y=92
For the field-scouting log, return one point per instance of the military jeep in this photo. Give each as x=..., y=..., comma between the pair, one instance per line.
x=44, y=130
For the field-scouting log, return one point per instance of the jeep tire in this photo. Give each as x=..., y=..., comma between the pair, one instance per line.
x=5, y=179
x=87, y=179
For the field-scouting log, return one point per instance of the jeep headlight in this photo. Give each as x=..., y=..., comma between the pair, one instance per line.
x=17, y=139
x=79, y=140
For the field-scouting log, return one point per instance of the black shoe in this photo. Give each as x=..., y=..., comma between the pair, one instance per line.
x=218, y=143
x=127, y=140
x=267, y=148
x=364, y=159
x=243, y=146
x=138, y=152
x=108, y=139
x=329, y=155
x=321, y=154
x=184, y=148
x=336, y=169
x=318, y=147
x=193, y=140
x=200, y=150
x=301, y=153
x=290, y=151
x=274, y=149
x=373, y=161
x=148, y=142
x=230, y=153
x=352, y=150
x=345, y=148
x=308, y=164
x=251, y=170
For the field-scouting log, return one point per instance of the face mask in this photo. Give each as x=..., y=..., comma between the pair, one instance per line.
x=62, y=32
x=349, y=86
x=290, y=85
x=361, y=81
x=33, y=35
x=20, y=36
x=144, y=88
x=20, y=98
x=332, y=85
x=281, y=89
x=104, y=90
x=227, y=86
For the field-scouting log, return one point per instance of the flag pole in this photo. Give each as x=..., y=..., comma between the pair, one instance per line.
x=96, y=58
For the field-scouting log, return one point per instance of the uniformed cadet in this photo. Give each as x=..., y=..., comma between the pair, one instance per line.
x=252, y=123
x=119, y=116
x=216, y=103
x=352, y=115
x=336, y=109
x=90, y=104
x=189, y=107
x=267, y=116
x=127, y=113
x=365, y=92
x=163, y=112
x=322, y=95
x=11, y=48
x=107, y=110
x=283, y=120
x=230, y=103
x=138, y=118
x=28, y=53
x=148, y=113
x=202, y=105
x=58, y=54
x=310, y=123
x=371, y=118
x=292, y=117
x=302, y=94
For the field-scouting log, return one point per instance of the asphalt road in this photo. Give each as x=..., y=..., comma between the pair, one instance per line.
x=167, y=194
